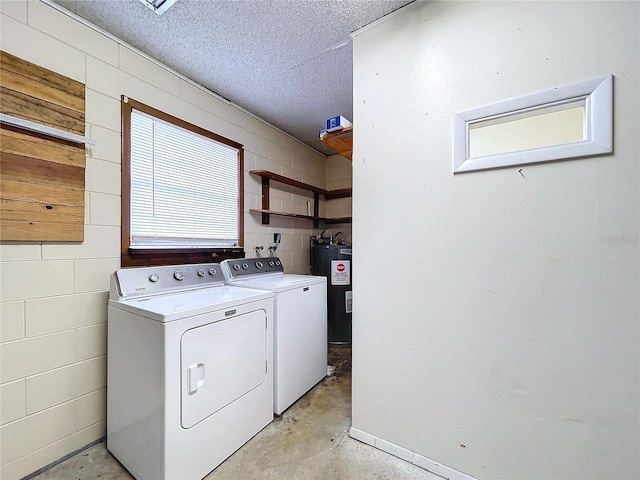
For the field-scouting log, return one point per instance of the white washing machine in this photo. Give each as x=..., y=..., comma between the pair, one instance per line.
x=300, y=323
x=190, y=369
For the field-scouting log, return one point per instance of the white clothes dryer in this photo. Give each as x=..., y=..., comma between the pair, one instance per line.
x=300, y=323
x=190, y=369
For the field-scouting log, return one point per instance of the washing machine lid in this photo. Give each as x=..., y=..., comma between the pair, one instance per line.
x=168, y=307
x=279, y=282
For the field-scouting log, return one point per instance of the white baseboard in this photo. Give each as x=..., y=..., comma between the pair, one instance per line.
x=408, y=456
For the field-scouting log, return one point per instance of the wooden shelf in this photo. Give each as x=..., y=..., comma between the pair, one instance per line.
x=340, y=141
x=337, y=220
x=266, y=212
x=340, y=193
x=288, y=181
x=328, y=221
x=283, y=214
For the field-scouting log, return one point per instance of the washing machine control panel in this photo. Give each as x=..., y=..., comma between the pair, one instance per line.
x=131, y=282
x=244, y=267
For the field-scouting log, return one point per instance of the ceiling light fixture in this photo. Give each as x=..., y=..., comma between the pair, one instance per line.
x=159, y=6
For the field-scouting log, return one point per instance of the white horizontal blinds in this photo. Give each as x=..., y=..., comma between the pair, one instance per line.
x=184, y=187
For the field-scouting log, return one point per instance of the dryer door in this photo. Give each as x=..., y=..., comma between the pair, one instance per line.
x=220, y=362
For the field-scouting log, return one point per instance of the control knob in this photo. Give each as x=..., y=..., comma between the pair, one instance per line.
x=272, y=263
x=212, y=271
x=201, y=273
x=154, y=278
x=259, y=264
x=245, y=266
x=236, y=267
x=178, y=275
x=278, y=263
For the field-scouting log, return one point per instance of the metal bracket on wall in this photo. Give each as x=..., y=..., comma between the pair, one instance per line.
x=44, y=129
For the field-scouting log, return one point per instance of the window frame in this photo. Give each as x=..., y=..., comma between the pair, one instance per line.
x=131, y=257
x=598, y=126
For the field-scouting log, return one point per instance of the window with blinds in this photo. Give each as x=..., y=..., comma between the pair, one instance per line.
x=184, y=184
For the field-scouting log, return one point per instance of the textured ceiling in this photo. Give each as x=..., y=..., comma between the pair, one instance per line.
x=286, y=61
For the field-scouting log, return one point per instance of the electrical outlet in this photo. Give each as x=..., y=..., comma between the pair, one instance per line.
x=277, y=237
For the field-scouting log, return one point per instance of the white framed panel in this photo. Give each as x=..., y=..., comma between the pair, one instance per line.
x=595, y=96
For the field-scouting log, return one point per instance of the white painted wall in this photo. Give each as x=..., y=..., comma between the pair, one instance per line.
x=501, y=338
x=54, y=295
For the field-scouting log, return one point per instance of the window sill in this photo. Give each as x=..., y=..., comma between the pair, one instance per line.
x=136, y=257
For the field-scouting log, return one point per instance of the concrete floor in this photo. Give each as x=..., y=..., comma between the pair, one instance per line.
x=309, y=442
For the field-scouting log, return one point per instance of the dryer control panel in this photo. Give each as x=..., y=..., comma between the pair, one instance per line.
x=131, y=282
x=245, y=267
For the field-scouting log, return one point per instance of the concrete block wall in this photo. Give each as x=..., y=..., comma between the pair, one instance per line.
x=54, y=295
x=339, y=175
